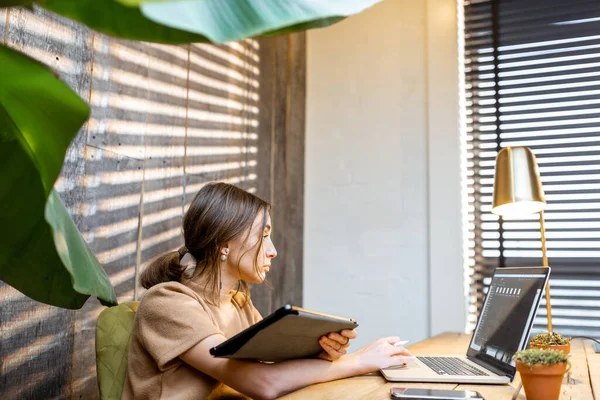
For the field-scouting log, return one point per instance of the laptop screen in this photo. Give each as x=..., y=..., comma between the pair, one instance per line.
x=507, y=316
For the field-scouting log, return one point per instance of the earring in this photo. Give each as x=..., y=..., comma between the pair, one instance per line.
x=224, y=256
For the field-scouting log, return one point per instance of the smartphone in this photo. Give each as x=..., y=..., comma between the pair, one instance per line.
x=434, y=394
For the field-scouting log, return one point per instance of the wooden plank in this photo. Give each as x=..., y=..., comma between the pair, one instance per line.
x=35, y=349
x=163, y=195
x=261, y=294
x=119, y=96
x=593, y=361
x=112, y=209
x=162, y=213
x=83, y=383
x=217, y=79
x=375, y=386
x=383, y=392
x=294, y=166
x=360, y=387
x=214, y=120
x=245, y=77
x=277, y=174
x=266, y=89
x=498, y=391
x=238, y=50
x=579, y=386
x=288, y=167
x=58, y=42
x=218, y=106
x=117, y=127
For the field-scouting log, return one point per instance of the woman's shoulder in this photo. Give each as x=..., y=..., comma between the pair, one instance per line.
x=168, y=293
x=168, y=289
x=172, y=302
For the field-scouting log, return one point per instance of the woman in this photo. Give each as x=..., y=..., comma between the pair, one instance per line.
x=187, y=311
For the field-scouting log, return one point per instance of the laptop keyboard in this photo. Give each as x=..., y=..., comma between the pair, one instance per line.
x=451, y=366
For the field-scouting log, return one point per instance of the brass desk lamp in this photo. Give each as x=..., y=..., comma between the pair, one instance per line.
x=518, y=191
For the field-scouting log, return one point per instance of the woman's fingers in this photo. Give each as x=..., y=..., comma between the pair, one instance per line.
x=349, y=333
x=331, y=342
x=333, y=352
x=401, y=351
x=335, y=344
x=342, y=340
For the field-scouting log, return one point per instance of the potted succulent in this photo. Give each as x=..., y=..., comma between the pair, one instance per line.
x=551, y=340
x=542, y=372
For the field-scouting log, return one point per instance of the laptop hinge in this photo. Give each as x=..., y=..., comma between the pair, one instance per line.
x=489, y=367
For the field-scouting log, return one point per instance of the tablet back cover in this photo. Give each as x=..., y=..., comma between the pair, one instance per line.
x=289, y=333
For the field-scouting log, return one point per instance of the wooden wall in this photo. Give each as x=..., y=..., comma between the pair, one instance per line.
x=165, y=120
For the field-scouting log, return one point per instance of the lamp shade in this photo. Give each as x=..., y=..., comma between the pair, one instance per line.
x=517, y=186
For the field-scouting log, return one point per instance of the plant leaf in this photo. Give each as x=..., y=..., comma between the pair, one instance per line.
x=42, y=254
x=11, y=3
x=86, y=272
x=320, y=23
x=113, y=18
x=225, y=20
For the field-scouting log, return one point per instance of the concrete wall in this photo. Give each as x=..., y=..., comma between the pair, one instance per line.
x=382, y=209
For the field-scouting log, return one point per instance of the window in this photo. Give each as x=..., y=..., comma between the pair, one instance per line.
x=532, y=78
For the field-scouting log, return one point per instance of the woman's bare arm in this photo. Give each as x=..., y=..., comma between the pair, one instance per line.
x=268, y=381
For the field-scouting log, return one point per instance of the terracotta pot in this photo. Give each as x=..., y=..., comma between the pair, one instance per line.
x=565, y=348
x=542, y=382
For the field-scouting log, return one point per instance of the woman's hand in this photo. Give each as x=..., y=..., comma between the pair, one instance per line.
x=380, y=354
x=335, y=344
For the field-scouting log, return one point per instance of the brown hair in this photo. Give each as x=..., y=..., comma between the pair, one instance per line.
x=219, y=213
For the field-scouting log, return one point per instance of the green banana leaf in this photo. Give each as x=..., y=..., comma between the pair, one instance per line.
x=42, y=254
x=187, y=21
x=116, y=19
x=320, y=23
x=225, y=20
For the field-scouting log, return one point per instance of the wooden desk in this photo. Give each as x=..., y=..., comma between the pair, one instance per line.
x=585, y=362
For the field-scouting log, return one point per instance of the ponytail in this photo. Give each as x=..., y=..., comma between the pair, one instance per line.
x=165, y=268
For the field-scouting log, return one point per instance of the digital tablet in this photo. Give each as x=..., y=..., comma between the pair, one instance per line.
x=288, y=333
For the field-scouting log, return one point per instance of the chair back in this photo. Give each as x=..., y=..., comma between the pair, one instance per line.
x=113, y=332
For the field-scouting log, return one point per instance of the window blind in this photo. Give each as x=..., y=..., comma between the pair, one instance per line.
x=532, y=78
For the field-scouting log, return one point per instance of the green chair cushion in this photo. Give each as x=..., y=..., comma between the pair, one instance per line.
x=113, y=332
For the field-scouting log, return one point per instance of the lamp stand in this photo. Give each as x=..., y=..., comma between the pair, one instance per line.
x=545, y=264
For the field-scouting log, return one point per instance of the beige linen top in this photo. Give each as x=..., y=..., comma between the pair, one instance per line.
x=171, y=319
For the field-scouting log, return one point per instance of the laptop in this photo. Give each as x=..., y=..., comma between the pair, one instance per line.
x=502, y=329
